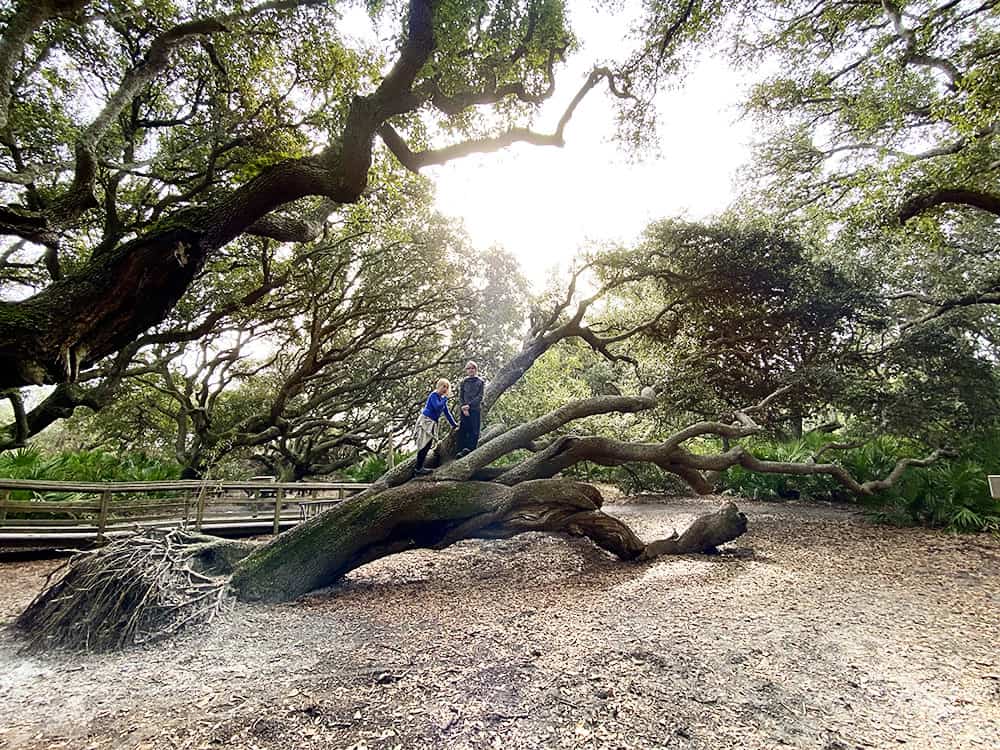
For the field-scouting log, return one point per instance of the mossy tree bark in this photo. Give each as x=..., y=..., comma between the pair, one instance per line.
x=429, y=514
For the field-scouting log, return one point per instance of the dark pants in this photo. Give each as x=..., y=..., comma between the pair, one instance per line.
x=422, y=455
x=468, y=431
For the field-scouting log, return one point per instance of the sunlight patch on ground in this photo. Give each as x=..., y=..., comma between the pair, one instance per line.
x=674, y=571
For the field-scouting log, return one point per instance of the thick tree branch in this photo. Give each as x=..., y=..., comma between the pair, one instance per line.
x=28, y=225
x=126, y=288
x=672, y=31
x=415, y=161
x=286, y=228
x=988, y=202
x=80, y=195
x=739, y=456
x=989, y=295
x=455, y=104
x=486, y=454
x=670, y=457
x=912, y=55
x=437, y=514
x=59, y=404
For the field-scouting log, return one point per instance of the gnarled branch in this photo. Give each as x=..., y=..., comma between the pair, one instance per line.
x=415, y=161
x=989, y=202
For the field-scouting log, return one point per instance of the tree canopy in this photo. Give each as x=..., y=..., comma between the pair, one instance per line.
x=211, y=216
x=141, y=140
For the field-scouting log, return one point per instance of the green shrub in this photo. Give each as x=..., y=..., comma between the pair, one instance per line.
x=949, y=494
x=81, y=466
x=953, y=495
x=370, y=469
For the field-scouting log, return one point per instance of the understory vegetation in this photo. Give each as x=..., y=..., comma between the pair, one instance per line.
x=85, y=466
x=953, y=494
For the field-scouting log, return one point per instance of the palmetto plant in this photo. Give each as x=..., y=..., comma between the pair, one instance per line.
x=953, y=495
x=81, y=466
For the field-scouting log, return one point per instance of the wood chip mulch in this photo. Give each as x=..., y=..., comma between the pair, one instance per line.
x=814, y=630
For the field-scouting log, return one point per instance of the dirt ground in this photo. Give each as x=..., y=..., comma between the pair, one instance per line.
x=814, y=630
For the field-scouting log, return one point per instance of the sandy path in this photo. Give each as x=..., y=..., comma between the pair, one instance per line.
x=817, y=630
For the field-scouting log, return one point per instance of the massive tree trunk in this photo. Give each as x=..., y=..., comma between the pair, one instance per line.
x=151, y=585
x=434, y=515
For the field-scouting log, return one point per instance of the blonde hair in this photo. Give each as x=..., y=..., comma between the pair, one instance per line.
x=445, y=383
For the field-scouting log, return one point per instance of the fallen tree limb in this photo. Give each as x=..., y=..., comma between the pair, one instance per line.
x=669, y=456
x=434, y=515
x=150, y=585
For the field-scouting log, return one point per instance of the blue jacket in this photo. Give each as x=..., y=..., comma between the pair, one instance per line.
x=436, y=403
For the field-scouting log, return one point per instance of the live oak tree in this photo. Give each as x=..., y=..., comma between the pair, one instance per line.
x=719, y=316
x=476, y=495
x=744, y=311
x=219, y=126
x=878, y=144
x=203, y=128
x=462, y=498
x=138, y=142
x=324, y=367
x=876, y=102
x=764, y=310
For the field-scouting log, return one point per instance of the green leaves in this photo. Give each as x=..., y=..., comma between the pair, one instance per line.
x=951, y=494
x=750, y=311
x=84, y=466
x=904, y=107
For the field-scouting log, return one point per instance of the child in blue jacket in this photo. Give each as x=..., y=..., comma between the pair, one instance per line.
x=425, y=430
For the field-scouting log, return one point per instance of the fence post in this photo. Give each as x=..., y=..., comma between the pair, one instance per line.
x=279, y=500
x=4, y=497
x=200, y=512
x=102, y=518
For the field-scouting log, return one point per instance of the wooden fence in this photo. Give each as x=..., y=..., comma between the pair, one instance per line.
x=77, y=510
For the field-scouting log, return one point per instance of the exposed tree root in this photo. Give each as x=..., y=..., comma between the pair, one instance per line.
x=132, y=591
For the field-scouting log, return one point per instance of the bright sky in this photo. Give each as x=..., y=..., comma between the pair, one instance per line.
x=544, y=204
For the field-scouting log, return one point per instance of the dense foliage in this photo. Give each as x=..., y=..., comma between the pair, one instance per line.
x=953, y=494
x=85, y=466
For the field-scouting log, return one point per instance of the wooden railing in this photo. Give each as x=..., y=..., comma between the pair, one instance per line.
x=101, y=508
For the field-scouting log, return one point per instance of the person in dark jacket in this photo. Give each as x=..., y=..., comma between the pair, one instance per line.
x=470, y=394
x=425, y=429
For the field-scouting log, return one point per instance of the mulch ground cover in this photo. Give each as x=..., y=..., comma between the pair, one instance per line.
x=816, y=629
